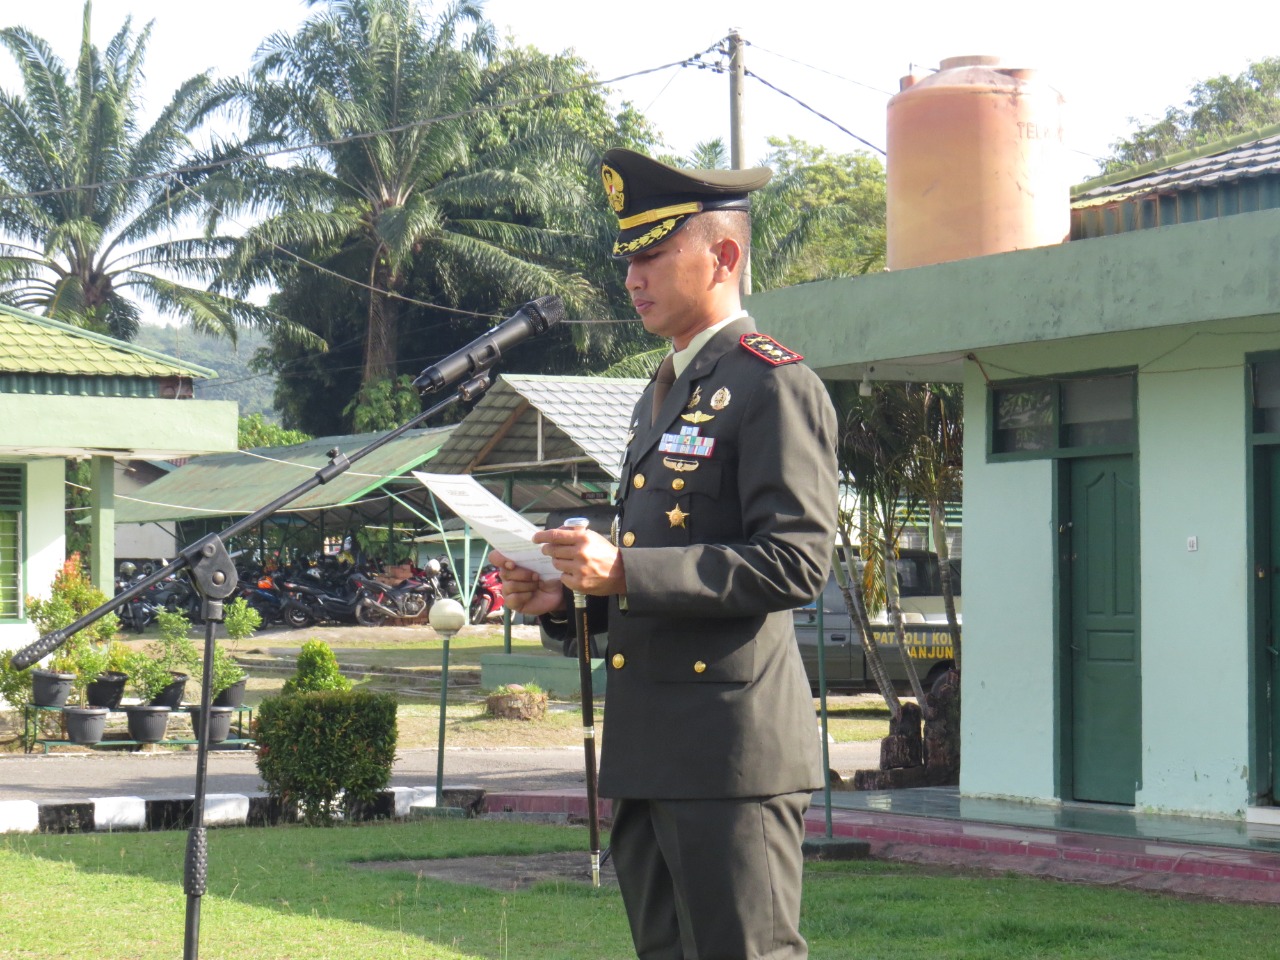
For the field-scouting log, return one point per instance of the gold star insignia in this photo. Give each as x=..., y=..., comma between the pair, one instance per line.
x=677, y=516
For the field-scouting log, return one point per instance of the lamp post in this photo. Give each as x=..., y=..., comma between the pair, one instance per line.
x=447, y=618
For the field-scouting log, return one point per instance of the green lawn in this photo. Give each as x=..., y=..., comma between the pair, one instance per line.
x=292, y=893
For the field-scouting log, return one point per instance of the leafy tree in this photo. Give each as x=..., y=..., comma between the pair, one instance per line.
x=849, y=188
x=433, y=203
x=1215, y=109
x=85, y=191
x=254, y=431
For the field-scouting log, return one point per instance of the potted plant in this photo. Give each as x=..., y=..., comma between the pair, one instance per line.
x=71, y=596
x=229, y=678
x=219, y=724
x=108, y=688
x=148, y=676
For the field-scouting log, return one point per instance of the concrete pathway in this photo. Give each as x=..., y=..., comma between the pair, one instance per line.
x=63, y=777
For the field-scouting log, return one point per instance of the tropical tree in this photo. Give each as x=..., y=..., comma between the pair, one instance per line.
x=1215, y=109
x=86, y=190
x=405, y=191
x=874, y=454
x=936, y=473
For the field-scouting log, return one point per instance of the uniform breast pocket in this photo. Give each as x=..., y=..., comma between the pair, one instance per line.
x=686, y=477
x=707, y=651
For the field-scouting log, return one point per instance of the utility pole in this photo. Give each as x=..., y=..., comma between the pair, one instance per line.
x=737, y=148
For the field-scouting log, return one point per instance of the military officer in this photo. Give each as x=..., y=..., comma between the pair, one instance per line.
x=726, y=517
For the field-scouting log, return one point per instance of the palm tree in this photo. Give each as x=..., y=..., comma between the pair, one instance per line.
x=85, y=191
x=393, y=193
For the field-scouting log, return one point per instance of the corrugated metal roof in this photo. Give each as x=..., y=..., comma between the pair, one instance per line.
x=235, y=484
x=585, y=424
x=32, y=344
x=1231, y=164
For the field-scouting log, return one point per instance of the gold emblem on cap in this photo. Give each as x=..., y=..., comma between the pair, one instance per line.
x=677, y=483
x=613, y=186
x=680, y=466
x=677, y=516
x=638, y=482
x=619, y=661
x=696, y=398
x=697, y=417
x=628, y=538
x=720, y=399
x=699, y=667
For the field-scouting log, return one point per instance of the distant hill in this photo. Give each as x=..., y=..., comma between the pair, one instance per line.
x=253, y=391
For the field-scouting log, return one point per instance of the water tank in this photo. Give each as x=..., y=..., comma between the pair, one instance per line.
x=975, y=164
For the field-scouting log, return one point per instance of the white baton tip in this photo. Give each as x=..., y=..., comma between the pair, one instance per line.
x=577, y=523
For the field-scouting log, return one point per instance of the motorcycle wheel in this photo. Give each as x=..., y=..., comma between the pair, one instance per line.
x=298, y=618
x=367, y=616
x=479, y=608
x=415, y=605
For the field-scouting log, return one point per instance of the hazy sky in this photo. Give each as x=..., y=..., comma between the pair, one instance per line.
x=1125, y=59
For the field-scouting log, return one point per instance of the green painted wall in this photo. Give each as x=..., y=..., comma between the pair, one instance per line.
x=1193, y=463
x=43, y=539
x=1142, y=280
x=141, y=428
x=1007, y=724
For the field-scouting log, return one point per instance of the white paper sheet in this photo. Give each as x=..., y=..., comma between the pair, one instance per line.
x=502, y=527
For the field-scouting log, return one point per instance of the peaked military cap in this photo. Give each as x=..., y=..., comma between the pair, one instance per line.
x=653, y=201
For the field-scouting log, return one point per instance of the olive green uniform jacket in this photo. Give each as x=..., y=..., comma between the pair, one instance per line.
x=724, y=529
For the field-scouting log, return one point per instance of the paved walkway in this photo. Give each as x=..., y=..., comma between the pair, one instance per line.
x=81, y=776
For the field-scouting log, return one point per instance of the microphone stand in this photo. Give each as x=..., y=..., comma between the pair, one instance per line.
x=213, y=574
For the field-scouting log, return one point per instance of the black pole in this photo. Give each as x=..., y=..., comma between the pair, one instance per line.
x=215, y=578
x=583, y=635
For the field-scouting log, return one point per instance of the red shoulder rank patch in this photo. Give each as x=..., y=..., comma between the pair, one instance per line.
x=768, y=349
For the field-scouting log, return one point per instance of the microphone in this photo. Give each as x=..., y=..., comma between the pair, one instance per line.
x=483, y=352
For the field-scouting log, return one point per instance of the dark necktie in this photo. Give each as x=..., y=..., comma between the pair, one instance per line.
x=662, y=383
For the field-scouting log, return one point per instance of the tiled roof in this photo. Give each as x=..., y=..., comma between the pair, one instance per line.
x=585, y=419
x=32, y=344
x=1230, y=164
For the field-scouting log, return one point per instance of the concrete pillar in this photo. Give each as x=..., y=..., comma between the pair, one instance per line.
x=102, y=552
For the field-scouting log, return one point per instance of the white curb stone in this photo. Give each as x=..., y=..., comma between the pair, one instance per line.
x=19, y=816
x=119, y=813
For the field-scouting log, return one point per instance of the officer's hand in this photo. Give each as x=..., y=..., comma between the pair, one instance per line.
x=589, y=563
x=524, y=591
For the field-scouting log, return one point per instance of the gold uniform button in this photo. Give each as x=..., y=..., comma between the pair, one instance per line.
x=628, y=538
x=619, y=661
x=699, y=667
x=677, y=483
x=638, y=482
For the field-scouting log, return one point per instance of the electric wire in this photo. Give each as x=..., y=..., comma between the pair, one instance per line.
x=810, y=66
x=816, y=112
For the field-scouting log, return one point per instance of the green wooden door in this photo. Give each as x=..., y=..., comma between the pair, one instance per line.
x=1271, y=576
x=1105, y=701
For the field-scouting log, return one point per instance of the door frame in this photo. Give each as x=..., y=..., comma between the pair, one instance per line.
x=1064, y=781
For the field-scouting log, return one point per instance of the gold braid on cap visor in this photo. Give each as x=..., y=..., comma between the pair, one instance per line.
x=658, y=213
x=646, y=239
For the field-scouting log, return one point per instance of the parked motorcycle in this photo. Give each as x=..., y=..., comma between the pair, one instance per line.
x=140, y=612
x=380, y=602
x=486, y=600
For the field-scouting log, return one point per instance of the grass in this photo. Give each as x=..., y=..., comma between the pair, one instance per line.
x=291, y=892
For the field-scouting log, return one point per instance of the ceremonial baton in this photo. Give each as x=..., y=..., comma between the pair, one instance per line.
x=583, y=634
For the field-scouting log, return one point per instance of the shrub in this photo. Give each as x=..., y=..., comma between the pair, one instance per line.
x=147, y=675
x=71, y=596
x=175, y=649
x=312, y=747
x=241, y=619
x=225, y=671
x=317, y=670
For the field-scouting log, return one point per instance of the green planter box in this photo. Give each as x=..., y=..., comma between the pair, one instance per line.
x=558, y=675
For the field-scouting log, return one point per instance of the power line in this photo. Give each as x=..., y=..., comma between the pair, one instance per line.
x=816, y=112
x=810, y=66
